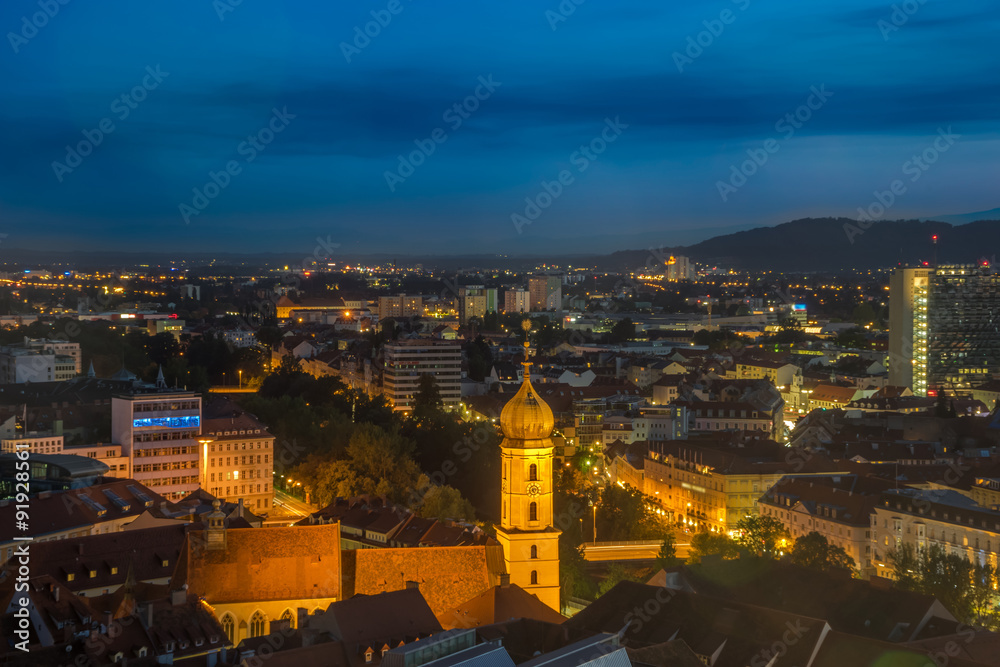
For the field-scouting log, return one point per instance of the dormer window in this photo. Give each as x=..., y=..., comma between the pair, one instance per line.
x=369, y=654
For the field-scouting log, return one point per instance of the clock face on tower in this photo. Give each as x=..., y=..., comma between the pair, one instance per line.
x=533, y=489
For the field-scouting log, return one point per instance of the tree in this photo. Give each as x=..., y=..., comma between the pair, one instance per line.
x=622, y=331
x=710, y=544
x=761, y=535
x=667, y=557
x=480, y=358
x=616, y=573
x=623, y=514
x=813, y=550
x=863, y=315
x=445, y=502
x=427, y=401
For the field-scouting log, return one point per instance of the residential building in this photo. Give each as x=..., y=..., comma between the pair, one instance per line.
x=679, y=268
x=926, y=517
x=517, y=300
x=838, y=507
x=833, y=397
x=475, y=301
x=545, y=293
x=728, y=416
x=159, y=431
x=237, y=460
x=400, y=306
x=406, y=360
x=779, y=373
x=34, y=443
x=709, y=484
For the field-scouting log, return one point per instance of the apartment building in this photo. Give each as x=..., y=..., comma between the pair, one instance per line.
x=159, y=431
x=779, y=373
x=20, y=364
x=545, y=292
x=517, y=301
x=406, y=360
x=838, y=507
x=475, y=301
x=237, y=460
x=400, y=306
x=926, y=517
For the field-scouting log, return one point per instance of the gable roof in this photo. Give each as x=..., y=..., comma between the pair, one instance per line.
x=498, y=604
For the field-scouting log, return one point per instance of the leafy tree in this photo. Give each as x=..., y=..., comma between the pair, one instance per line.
x=480, y=358
x=623, y=330
x=761, y=535
x=572, y=571
x=813, y=550
x=864, y=314
x=623, y=514
x=269, y=336
x=616, y=573
x=446, y=502
x=709, y=544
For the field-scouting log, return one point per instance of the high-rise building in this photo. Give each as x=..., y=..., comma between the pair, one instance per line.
x=400, y=306
x=529, y=540
x=475, y=301
x=944, y=328
x=159, y=432
x=679, y=268
x=407, y=360
x=517, y=301
x=545, y=292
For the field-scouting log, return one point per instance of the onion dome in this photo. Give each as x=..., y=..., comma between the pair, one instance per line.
x=527, y=416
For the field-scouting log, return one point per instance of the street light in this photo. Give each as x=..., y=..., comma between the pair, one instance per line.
x=241, y=378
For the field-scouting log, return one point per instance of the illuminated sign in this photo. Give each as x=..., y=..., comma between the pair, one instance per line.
x=167, y=422
x=698, y=489
x=798, y=306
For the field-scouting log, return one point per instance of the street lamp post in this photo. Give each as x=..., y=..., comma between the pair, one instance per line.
x=241, y=378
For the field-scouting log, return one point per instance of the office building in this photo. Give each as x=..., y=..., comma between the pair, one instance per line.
x=20, y=364
x=944, y=328
x=545, y=292
x=159, y=431
x=407, y=360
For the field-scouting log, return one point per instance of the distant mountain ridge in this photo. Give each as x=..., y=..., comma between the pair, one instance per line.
x=831, y=244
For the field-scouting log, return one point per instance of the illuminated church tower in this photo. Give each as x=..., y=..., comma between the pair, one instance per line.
x=530, y=543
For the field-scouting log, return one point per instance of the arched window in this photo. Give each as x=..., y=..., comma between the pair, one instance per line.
x=533, y=512
x=287, y=616
x=257, y=624
x=532, y=473
x=534, y=577
x=534, y=551
x=229, y=626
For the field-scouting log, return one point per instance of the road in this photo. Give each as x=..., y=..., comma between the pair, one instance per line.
x=287, y=506
x=628, y=552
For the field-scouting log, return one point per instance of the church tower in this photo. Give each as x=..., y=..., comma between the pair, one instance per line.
x=530, y=543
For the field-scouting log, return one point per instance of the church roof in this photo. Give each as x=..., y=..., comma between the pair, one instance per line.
x=297, y=562
x=499, y=604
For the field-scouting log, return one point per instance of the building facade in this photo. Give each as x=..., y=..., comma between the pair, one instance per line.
x=517, y=301
x=407, y=360
x=237, y=461
x=159, y=432
x=545, y=293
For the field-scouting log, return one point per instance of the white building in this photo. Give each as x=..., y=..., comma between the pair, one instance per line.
x=159, y=432
x=19, y=365
x=407, y=360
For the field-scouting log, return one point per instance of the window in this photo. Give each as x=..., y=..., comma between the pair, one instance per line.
x=228, y=626
x=287, y=616
x=533, y=512
x=532, y=472
x=368, y=655
x=257, y=624
x=534, y=577
x=534, y=551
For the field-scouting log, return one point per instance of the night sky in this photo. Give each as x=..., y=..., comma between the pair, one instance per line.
x=665, y=118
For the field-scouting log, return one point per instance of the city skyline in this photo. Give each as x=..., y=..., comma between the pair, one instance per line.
x=669, y=101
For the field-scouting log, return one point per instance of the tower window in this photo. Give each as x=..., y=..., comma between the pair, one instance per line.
x=533, y=512
x=534, y=577
x=534, y=551
x=532, y=473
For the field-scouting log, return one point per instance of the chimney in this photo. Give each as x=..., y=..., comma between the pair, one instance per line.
x=178, y=597
x=505, y=580
x=149, y=615
x=55, y=593
x=413, y=584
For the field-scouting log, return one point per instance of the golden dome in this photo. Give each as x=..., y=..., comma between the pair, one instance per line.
x=527, y=416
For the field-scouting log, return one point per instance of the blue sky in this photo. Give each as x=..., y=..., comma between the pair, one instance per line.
x=892, y=87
